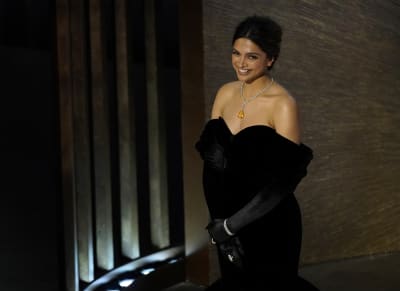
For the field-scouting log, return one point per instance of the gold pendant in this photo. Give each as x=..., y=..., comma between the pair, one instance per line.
x=240, y=114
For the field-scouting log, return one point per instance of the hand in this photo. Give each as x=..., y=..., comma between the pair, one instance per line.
x=232, y=251
x=217, y=231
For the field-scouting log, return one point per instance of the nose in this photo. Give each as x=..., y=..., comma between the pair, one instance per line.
x=242, y=62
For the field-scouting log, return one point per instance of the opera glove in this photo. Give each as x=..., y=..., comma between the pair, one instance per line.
x=232, y=251
x=213, y=156
x=217, y=231
x=228, y=244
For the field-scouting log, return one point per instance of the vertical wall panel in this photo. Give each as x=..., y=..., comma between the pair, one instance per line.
x=82, y=149
x=127, y=148
x=157, y=142
x=192, y=90
x=101, y=139
x=114, y=138
x=67, y=144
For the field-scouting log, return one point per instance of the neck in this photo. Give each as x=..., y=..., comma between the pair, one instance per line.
x=256, y=85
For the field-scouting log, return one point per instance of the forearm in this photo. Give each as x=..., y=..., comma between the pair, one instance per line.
x=265, y=201
x=261, y=204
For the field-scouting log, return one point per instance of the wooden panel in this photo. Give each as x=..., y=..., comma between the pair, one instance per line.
x=100, y=162
x=82, y=142
x=67, y=145
x=157, y=139
x=127, y=147
x=101, y=139
x=192, y=92
x=340, y=60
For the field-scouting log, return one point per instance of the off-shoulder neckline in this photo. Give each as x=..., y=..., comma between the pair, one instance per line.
x=247, y=128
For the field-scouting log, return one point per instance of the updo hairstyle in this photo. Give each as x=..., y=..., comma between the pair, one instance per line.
x=264, y=32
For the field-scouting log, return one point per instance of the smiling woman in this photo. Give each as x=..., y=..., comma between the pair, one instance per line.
x=253, y=162
x=249, y=60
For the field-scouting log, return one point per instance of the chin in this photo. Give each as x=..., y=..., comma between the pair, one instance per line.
x=248, y=78
x=243, y=77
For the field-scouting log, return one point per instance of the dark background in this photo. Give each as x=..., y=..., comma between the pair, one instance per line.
x=30, y=207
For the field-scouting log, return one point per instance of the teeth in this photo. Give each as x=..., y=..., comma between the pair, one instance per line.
x=243, y=71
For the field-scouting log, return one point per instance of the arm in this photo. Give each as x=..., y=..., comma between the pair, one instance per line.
x=285, y=182
x=223, y=231
x=213, y=139
x=222, y=97
x=287, y=177
x=269, y=197
x=286, y=119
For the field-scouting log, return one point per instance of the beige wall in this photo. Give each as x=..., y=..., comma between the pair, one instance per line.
x=196, y=213
x=340, y=59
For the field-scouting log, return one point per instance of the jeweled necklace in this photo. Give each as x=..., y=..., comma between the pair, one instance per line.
x=240, y=114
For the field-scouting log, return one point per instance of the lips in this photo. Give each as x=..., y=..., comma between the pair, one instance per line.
x=243, y=71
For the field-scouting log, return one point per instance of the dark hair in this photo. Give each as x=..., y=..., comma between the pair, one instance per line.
x=264, y=32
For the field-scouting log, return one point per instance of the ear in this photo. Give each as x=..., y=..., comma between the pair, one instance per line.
x=269, y=62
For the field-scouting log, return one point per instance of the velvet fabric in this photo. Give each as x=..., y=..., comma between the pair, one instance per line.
x=249, y=178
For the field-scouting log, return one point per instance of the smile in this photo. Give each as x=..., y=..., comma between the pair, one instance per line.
x=243, y=71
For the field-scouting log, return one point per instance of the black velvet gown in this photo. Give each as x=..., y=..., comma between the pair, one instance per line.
x=254, y=163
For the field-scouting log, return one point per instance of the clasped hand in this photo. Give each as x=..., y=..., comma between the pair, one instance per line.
x=217, y=231
x=228, y=245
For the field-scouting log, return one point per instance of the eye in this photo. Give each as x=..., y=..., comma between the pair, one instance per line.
x=235, y=52
x=253, y=57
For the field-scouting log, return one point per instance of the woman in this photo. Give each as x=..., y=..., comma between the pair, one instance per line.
x=253, y=161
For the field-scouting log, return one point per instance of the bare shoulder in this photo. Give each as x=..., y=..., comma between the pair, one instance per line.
x=223, y=96
x=228, y=89
x=284, y=102
x=285, y=115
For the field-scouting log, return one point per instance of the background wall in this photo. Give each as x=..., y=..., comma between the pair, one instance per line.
x=192, y=102
x=30, y=204
x=340, y=60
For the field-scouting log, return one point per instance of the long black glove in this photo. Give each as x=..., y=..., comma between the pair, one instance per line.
x=228, y=244
x=222, y=231
x=287, y=177
x=212, y=145
x=232, y=251
x=214, y=157
x=217, y=231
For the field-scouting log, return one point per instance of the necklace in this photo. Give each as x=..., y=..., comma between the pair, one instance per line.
x=240, y=114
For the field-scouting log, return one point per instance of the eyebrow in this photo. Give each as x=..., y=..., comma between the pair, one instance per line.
x=249, y=53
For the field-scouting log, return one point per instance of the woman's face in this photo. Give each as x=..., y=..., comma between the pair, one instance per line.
x=249, y=60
